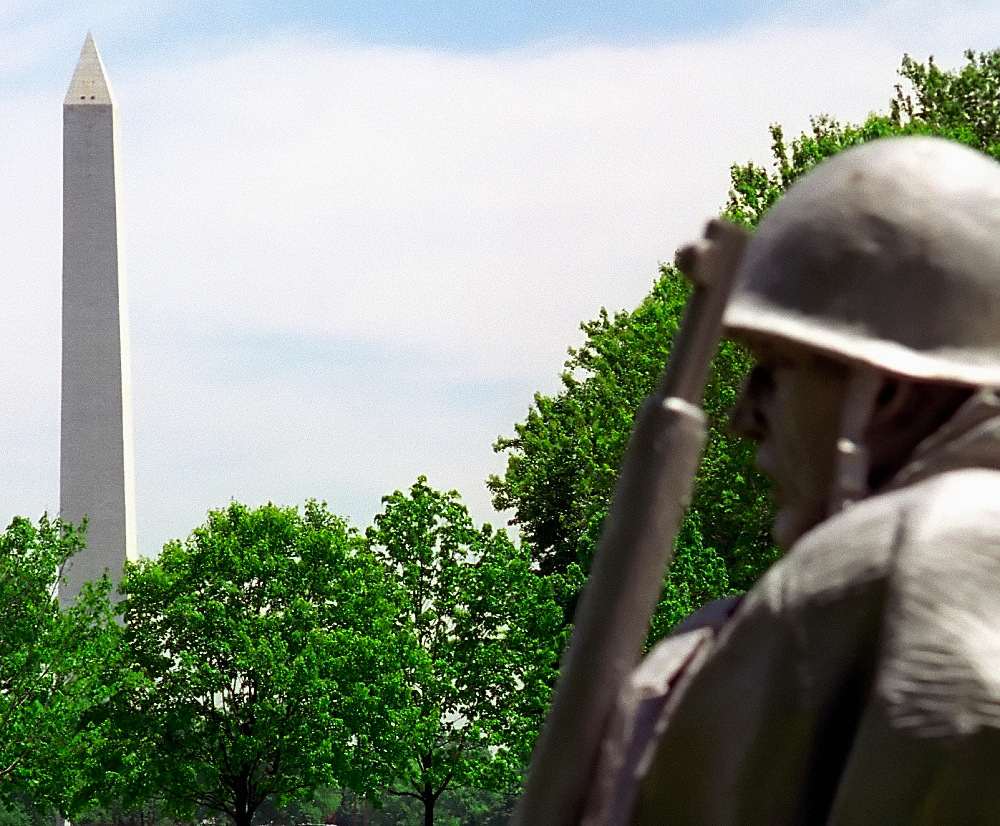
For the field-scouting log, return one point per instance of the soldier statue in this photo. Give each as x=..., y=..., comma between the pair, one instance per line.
x=858, y=681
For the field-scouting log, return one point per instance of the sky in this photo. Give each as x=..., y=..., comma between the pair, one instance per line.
x=360, y=236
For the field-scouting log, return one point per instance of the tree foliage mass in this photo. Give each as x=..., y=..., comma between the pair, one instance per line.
x=564, y=458
x=486, y=631
x=51, y=662
x=261, y=662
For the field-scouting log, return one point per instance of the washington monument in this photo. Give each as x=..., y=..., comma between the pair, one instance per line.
x=96, y=458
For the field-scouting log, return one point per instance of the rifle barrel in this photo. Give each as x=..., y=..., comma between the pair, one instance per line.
x=651, y=495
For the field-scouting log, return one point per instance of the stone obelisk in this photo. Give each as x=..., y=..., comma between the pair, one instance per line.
x=96, y=460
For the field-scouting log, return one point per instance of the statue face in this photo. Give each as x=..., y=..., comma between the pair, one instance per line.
x=790, y=405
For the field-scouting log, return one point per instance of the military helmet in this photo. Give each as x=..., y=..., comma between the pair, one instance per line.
x=886, y=254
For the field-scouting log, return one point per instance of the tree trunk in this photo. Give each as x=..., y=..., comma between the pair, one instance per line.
x=243, y=817
x=429, y=799
x=242, y=808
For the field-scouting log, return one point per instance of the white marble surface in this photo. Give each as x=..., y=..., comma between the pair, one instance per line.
x=96, y=461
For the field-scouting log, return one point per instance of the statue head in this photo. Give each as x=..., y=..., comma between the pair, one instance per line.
x=871, y=297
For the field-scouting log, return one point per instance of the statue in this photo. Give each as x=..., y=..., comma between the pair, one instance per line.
x=859, y=680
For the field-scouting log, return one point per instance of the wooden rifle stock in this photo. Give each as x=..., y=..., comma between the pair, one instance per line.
x=652, y=492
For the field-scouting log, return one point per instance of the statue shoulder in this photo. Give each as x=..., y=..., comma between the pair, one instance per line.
x=947, y=525
x=940, y=673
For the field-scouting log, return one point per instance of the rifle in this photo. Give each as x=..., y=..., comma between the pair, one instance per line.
x=636, y=545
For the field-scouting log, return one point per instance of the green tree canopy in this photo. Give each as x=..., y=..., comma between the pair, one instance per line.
x=262, y=661
x=486, y=631
x=563, y=461
x=961, y=104
x=51, y=662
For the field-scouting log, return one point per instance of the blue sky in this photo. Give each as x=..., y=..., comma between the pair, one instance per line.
x=358, y=241
x=465, y=26
x=427, y=24
x=132, y=32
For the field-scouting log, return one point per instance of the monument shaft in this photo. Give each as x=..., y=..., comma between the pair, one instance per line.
x=96, y=458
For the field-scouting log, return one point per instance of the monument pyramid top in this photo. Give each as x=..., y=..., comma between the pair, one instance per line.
x=89, y=84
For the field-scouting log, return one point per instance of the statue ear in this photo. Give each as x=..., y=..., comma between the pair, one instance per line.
x=897, y=419
x=904, y=404
x=894, y=396
x=905, y=413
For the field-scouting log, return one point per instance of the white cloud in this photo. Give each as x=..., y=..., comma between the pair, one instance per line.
x=944, y=28
x=375, y=192
x=350, y=266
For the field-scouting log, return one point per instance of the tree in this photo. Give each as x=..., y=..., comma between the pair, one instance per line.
x=261, y=661
x=962, y=105
x=563, y=459
x=486, y=631
x=51, y=662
